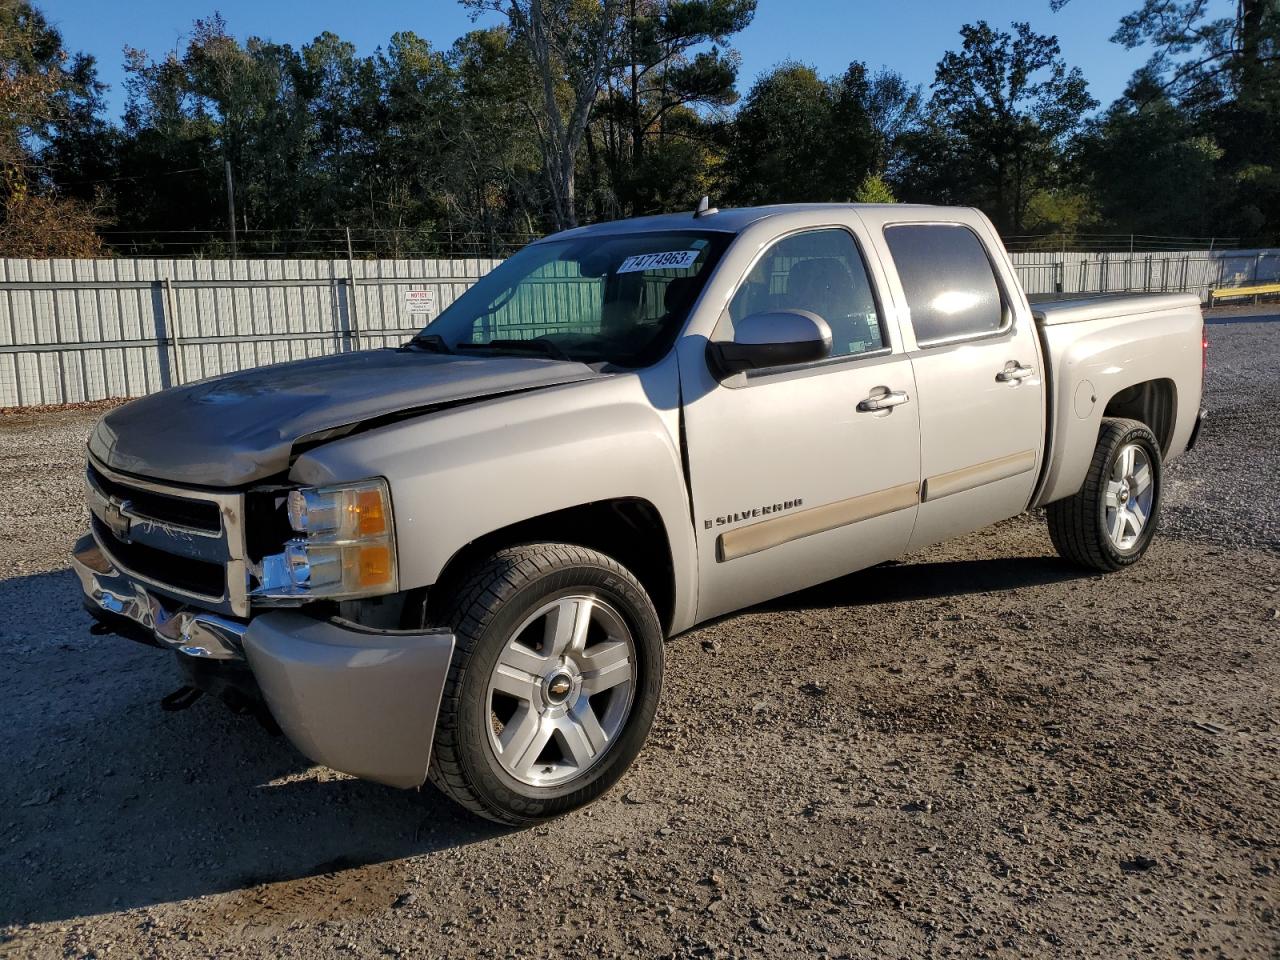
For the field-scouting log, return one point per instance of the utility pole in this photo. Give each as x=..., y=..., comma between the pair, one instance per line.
x=231, y=208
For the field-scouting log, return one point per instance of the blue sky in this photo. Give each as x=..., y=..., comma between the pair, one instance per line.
x=907, y=35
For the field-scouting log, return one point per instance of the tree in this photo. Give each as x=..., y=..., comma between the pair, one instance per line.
x=659, y=76
x=873, y=189
x=894, y=109
x=1222, y=73
x=571, y=43
x=498, y=187
x=1196, y=57
x=779, y=149
x=1009, y=105
x=799, y=137
x=1152, y=169
x=44, y=90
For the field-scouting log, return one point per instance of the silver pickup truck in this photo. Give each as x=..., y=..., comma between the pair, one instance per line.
x=459, y=559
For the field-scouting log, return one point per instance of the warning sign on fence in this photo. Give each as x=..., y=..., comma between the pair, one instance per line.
x=420, y=301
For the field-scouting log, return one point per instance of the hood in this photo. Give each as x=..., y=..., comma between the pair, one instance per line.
x=241, y=427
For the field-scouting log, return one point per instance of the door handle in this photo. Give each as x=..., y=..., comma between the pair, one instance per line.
x=1014, y=372
x=882, y=401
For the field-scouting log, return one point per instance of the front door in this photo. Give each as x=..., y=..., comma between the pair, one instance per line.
x=804, y=473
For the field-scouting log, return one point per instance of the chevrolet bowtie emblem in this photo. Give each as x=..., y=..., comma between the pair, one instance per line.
x=114, y=517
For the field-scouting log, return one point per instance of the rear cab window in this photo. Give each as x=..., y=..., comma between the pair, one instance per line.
x=950, y=285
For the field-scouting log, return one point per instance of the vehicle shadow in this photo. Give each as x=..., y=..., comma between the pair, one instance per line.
x=111, y=803
x=898, y=582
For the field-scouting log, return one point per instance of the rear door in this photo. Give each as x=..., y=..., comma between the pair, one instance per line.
x=794, y=478
x=977, y=370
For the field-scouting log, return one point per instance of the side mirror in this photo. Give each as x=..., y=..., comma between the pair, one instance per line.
x=775, y=338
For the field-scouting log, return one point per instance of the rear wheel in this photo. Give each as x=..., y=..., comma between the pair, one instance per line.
x=553, y=686
x=1110, y=522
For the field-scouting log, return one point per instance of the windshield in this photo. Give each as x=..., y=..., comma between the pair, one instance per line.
x=596, y=299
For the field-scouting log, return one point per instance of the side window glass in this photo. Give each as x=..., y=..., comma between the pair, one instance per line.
x=950, y=286
x=821, y=271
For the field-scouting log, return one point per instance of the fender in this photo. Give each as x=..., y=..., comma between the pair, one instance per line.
x=459, y=474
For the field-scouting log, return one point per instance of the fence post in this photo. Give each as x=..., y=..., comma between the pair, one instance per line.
x=173, y=329
x=160, y=316
x=335, y=308
x=353, y=313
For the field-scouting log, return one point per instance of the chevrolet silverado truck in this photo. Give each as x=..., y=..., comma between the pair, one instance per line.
x=459, y=559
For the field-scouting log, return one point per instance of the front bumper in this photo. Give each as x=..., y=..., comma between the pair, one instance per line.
x=358, y=700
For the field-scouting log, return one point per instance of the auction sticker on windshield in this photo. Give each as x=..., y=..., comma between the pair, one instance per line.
x=672, y=260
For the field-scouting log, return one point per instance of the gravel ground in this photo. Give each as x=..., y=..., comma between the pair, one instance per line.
x=977, y=751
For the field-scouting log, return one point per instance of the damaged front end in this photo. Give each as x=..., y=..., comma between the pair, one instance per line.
x=260, y=604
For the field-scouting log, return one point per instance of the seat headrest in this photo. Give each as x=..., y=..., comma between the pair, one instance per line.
x=822, y=285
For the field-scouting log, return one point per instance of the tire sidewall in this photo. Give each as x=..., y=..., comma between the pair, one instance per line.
x=490, y=781
x=1143, y=437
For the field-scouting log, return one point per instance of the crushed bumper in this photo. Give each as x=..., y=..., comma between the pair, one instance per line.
x=358, y=700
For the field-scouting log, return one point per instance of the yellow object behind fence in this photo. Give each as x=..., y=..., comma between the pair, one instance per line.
x=1257, y=290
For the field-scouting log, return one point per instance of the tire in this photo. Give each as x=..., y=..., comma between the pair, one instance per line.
x=1098, y=527
x=557, y=619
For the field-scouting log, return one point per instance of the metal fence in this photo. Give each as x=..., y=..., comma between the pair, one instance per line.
x=1195, y=271
x=76, y=330
x=79, y=330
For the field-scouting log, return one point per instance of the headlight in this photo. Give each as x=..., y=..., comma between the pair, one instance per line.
x=346, y=548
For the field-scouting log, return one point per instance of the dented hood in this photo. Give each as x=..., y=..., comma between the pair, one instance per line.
x=235, y=429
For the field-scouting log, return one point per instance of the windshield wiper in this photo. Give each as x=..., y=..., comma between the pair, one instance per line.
x=428, y=341
x=536, y=345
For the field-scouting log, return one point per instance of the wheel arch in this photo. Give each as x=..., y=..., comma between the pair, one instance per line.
x=628, y=529
x=1152, y=402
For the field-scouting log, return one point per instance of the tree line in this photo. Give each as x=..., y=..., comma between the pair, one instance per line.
x=573, y=111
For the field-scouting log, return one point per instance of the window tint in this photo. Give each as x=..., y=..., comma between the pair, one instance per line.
x=950, y=287
x=821, y=271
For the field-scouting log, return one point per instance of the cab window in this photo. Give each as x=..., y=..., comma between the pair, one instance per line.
x=821, y=271
x=950, y=286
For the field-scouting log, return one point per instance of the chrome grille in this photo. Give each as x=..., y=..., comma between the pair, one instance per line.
x=197, y=515
x=185, y=543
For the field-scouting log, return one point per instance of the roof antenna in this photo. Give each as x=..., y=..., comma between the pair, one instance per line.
x=705, y=209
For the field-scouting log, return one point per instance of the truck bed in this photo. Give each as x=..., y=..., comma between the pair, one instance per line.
x=1097, y=348
x=1052, y=309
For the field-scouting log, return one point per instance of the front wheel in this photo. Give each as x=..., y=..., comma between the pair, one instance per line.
x=1110, y=522
x=553, y=686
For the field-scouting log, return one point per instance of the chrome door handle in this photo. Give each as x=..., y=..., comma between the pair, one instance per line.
x=882, y=401
x=1014, y=372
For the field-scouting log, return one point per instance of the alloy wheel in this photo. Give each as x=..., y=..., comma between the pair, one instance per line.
x=561, y=690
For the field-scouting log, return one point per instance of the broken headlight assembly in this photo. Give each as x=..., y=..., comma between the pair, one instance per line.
x=344, y=548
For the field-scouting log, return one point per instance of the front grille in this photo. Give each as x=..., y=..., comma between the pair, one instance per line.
x=179, y=511
x=182, y=573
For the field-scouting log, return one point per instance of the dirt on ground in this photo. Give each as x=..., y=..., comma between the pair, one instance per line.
x=978, y=751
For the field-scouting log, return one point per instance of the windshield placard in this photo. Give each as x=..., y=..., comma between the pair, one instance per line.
x=671, y=260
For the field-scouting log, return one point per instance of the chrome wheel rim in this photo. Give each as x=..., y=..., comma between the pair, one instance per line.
x=1129, y=495
x=561, y=691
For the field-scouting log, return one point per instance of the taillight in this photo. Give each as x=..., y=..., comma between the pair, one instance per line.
x=1204, y=350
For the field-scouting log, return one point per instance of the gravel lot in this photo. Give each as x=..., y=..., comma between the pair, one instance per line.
x=978, y=751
